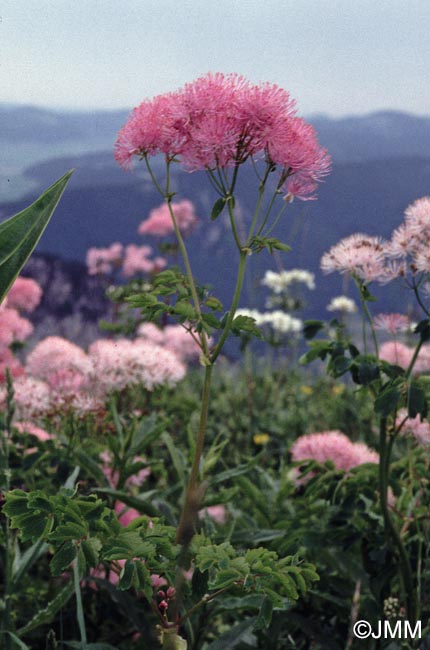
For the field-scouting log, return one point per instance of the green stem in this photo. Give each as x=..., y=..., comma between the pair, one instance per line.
x=204, y=601
x=414, y=358
x=192, y=497
x=258, y=204
x=184, y=253
x=372, y=329
x=79, y=606
x=234, y=304
x=278, y=216
x=418, y=297
x=391, y=532
x=230, y=200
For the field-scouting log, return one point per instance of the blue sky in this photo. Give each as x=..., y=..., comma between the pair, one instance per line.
x=335, y=56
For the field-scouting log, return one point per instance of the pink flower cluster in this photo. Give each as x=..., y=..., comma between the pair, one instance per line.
x=104, y=260
x=220, y=121
x=24, y=295
x=132, y=259
x=410, y=242
x=174, y=338
x=392, y=323
x=371, y=258
x=160, y=224
x=419, y=429
x=137, y=260
x=359, y=255
x=59, y=375
x=334, y=446
x=399, y=354
x=121, y=363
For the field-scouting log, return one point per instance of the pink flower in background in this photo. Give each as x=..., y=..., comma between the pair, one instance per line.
x=125, y=515
x=32, y=397
x=158, y=581
x=422, y=364
x=179, y=341
x=334, y=446
x=358, y=255
x=396, y=353
x=411, y=240
x=59, y=361
x=13, y=327
x=401, y=355
x=24, y=294
x=392, y=323
x=151, y=332
x=112, y=475
x=217, y=513
x=221, y=120
x=29, y=427
x=137, y=260
x=417, y=215
x=174, y=338
x=419, y=429
x=104, y=260
x=7, y=360
x=122, y=363
x=160, y=224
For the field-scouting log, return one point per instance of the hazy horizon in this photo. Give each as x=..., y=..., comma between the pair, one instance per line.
x=319, y=115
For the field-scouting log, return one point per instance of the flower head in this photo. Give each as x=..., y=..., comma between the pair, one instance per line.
x=334, y=446
x=359, y=255
x=419, y=429
x=160, y=224
x=219, y=121
x=342, y=304
x=24, y=294
x=392, y=323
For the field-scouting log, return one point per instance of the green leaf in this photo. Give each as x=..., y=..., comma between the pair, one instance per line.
x=312, y=327
x=417, y=401
x=33, y=526
x=365, y=370
x=22, y=563
x=184, y=309
x=21, y=645
x=387, y=400
x=127, y=575
x=217, y=208
x=264, y=615
x=339, y=365
x=176, y=456
x=423, y=329
x=213, y=303
x=245, y=324
x=46, y=615
x=20, y=234
x=142, y=503
x=318, y=350
x=90, y=549
x=235, y=635
x=16, y=503
x=63, y=558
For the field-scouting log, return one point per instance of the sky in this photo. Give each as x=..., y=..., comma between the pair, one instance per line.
x=336, y=57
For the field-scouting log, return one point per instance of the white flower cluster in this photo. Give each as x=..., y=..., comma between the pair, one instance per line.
x=278, y=320
x=343, y=304
x=280, y=282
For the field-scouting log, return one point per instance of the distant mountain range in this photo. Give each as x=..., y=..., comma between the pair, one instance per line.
x=381, y=164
